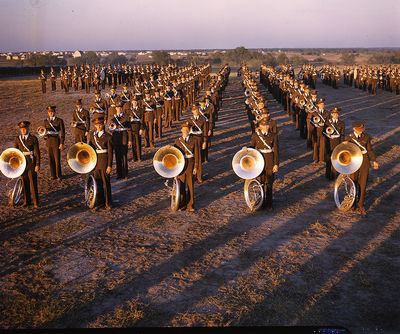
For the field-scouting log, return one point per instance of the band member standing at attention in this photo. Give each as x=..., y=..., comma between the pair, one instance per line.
x=168, y=95
x=318, y=137
x=177, y=103
x=28, y=144
x=159, y=113
x=332, y=140
x=101, y=141
x=80, y=122
x=190, y=149
x=99, y=106
x=149, y=107
x=266, y=142
x=113, y=99
x=125, y=95
x=360, y=177
x=122, y=140
x=55, y=135
x=53, y=80
x=207, y=118
x=135, y=114
x=199, y=131
x=42, y=78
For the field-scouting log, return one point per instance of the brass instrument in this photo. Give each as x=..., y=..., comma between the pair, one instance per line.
x=42, y=131
x=346, y=158
x=249, y=163
x=73, y=124
x=82, y=158
x=12, y=163
x=112, y=126
x=169, y=161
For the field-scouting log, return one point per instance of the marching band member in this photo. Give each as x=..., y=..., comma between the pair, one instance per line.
x=360, y=177
x=55, y=135
x=28, y=144
x=190, y=149
x=101, y=141
x=266, y=142
x=148, y=119
x=99, y=106
x=332, y=140
x=120, y=125
x=80, y=122
x=199, y=132
x=135, y=114
x=318, y=137
x=158, y=113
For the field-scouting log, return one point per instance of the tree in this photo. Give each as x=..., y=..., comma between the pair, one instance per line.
x=348, y=58
x=114, y=58
x=161, y=57
x=282, y=58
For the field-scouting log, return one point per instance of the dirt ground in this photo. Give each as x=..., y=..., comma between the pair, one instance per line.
x=305, y=263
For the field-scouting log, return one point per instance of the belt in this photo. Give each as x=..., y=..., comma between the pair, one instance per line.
x=135, y=120
x=28, y=153
x=120, y=129
x=267, y=151
x=148, y=109
x=102, y=151
x=188, y=156
x=98, y=111
x=55, y=133
x=168, y=98
x=364, y=152
x=158, y=105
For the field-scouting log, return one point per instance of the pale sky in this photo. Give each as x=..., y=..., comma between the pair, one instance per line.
x=34, y=25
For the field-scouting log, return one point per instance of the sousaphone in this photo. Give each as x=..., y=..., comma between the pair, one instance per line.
x=82, y=159
x=248, y=163
x=169, y=162
x=12, y=165
x=346, y=158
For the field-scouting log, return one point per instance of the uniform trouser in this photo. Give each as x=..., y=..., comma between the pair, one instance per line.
x=302, y=124
x=199, y=174
x=30, y=185
x=79, y=135
x=310, y=129
x=66, y=87
x=177, y=110
x=121, y=159
x=136, y=142
x=53, y=85
x=103, y=180
x=43, y=86
x=186, y=180
x=158, y=120
x=360, y=177
x=54, y=152
x=149, y=132
x=330, y=172
x=267, y=180
x=319, y=147
x=168, y=113
x=87, y=87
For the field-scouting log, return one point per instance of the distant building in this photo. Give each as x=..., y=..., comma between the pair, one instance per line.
x=77, y=54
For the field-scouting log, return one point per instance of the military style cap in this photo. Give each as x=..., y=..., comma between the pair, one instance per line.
x=79, y=102
x=51, y=108
x=358, y=124
x=185, y=125
x=24, y=124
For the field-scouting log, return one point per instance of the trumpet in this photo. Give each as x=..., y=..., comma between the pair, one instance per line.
x=112, y=126
x=309, y=105
x=73, y=124
x=316, y=119
x=302, y=102
x=329, y=130
x=259, y=117
x=41, y=130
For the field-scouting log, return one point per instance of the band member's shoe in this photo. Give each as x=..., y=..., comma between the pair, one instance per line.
x=108, y=207
x=190, y=209
x=183, y=208
x=35, y=206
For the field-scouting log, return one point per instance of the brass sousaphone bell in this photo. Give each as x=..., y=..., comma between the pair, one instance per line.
x=169, y=161
x=12, y=163
x=82, y=158
x=248, y=163
x=346, y=158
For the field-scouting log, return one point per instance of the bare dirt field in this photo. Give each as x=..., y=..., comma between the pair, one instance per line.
x=305, y=263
